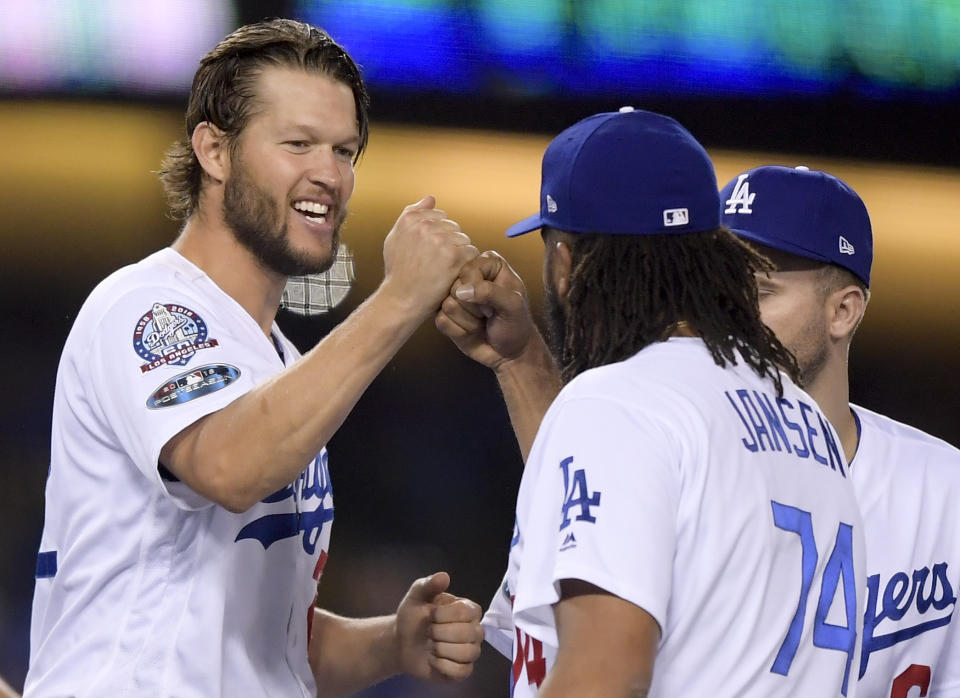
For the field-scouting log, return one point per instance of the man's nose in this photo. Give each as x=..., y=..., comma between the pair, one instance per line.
x=324, y=168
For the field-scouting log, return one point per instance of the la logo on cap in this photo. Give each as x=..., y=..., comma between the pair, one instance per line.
x=846, y=247
x=741, y=197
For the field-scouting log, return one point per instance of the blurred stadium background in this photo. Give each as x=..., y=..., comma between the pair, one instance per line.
x=466, y=94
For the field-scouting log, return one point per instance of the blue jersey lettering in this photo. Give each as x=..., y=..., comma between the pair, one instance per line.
x=805, y=409
x=752, y=444
x=754, y=414
x=801, y=451
x=313, y=483
x=576, y=494
x=900, y=593
x=776, y=428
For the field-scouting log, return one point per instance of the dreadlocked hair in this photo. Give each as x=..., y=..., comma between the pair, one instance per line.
x=628, y=291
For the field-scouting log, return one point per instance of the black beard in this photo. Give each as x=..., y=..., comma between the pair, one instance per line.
x=555, y=317
x=249, y=212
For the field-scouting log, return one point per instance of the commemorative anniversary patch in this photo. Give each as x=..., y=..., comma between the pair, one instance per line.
x=169, y=334
x=193, y=384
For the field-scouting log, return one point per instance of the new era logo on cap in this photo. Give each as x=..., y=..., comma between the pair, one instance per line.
x=551, y=204
x=845, y=246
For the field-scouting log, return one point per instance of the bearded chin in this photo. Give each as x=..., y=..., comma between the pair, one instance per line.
x=811, y=366
x=251, y=214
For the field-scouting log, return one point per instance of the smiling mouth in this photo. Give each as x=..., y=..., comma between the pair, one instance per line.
x=312, y=210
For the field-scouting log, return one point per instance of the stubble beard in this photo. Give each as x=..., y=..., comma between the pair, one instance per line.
x=251, y=214
x=813, y=354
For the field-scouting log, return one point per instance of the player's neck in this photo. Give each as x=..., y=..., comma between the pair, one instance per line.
x=831, y=389
x=684, y=330
x=212, y=247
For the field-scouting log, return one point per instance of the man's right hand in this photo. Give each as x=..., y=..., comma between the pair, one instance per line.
x=422, y=255
x=488, y=318
x=486, y=314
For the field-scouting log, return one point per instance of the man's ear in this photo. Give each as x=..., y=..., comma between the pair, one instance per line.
x=562, y=264
x=846, y=307
x=212, y=150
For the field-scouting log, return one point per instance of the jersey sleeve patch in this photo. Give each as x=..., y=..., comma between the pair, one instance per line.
x=193, y=384
x=169, y=334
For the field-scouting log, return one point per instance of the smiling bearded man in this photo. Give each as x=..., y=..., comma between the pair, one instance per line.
x=189, y=502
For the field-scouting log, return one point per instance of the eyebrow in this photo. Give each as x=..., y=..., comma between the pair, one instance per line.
x=309, y=130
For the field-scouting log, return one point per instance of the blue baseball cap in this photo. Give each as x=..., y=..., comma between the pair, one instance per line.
x=804, y=212
x=629, y=172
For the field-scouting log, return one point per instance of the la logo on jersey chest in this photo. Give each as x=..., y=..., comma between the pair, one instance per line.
x=741, y=199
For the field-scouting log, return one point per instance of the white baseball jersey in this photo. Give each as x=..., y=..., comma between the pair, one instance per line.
x=698, y=494
x=908, y=486
x=145, y=588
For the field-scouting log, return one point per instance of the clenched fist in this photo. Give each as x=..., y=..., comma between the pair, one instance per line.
x=422, y=256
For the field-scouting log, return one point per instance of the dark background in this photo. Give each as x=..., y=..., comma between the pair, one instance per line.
x=425, y=469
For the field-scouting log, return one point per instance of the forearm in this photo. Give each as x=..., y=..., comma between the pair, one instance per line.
x=529, y=384
x=6, y=691
x=261, y=441
x=591, y=671
x=348, y=654
x=564, y=682
x=607, y=645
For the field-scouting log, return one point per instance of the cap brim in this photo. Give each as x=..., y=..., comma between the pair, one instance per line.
x=534, y=222
x=781, y=245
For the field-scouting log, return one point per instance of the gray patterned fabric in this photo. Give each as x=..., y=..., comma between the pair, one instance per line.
x=315, y=294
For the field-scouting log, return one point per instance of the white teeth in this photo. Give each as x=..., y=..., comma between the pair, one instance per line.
x=311, y=207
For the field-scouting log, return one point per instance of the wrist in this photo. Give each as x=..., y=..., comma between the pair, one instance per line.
x=534, y=362
x=397, y=306
x=393, y=646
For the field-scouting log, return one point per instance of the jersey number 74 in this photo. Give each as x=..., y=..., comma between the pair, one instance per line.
x=839, y=567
